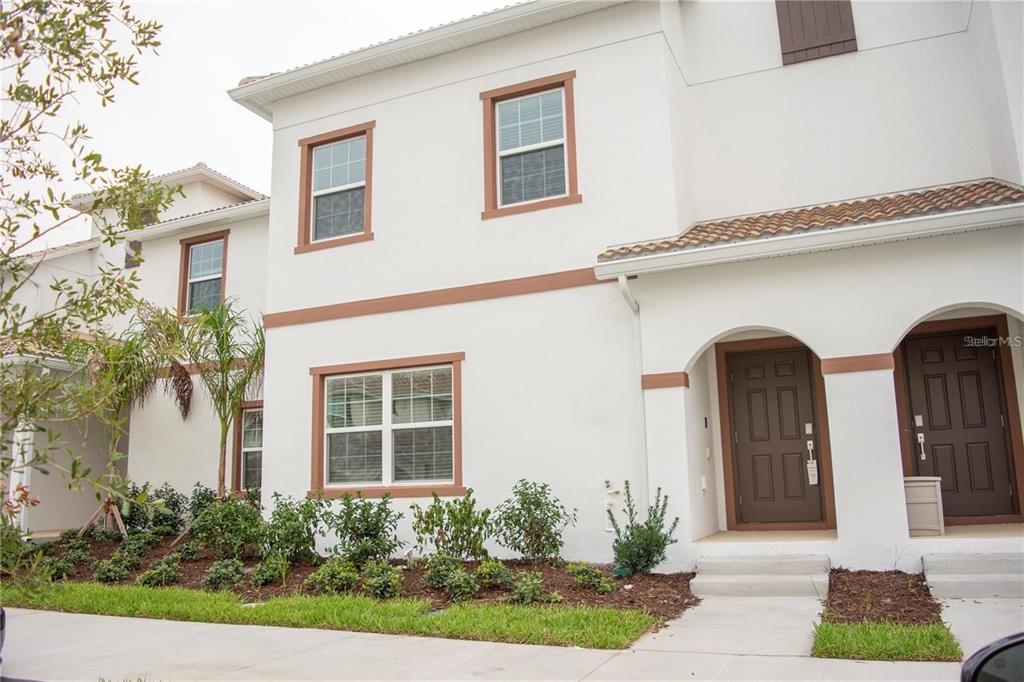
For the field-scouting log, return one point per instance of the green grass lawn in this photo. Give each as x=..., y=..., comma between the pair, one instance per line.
x=885, y=642
x=596, y=628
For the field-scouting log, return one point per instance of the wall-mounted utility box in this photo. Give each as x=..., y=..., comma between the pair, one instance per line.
x=924, y=505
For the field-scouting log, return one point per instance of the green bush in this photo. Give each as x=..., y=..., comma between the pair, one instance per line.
x=58, y=567
x=382, y=580
x=293, y=527
x=201, y=498
x=461, y=585
x=188, y=551
x=590, y=577
x=494, y=574
x=273, y=569
x=164, y=572
x=437, y=568
x=639, y=547
x=222, y=575
x=69, y=535
x=73, y=544
x=101, y=534
x=529, y=589
x=129, y=555
x=230, y=528
x=531, y=521
x=366, y=530
x=111, y=571
x=78, y=557
x=455, y=527
x=163, y=507
x=163, y=530
x=335, y=576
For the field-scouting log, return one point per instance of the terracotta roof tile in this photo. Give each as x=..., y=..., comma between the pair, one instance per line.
x=945, y=199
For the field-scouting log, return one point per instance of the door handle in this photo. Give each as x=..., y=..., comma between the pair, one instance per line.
x=920, y=443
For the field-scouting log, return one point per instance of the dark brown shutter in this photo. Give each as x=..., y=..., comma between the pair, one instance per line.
x=811, y=29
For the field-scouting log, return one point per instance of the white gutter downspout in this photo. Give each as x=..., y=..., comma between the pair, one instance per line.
x=643, y=492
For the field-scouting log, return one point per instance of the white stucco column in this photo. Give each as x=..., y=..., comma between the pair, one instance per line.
x=871, y=515
x=667, y=466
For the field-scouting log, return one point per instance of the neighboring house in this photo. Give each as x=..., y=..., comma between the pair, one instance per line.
x=185, y=261
x=467, y=281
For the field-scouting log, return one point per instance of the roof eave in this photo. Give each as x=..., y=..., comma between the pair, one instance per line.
x=255, y=96
x=215, y=218
x=824, y=240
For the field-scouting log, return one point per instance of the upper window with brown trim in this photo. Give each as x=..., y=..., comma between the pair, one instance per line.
x=811, y=29
x=203, y=268
x=334, y=188
x=529, y=146
x=390, y=426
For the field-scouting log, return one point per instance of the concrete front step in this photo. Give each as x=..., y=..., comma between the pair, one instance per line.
x=789, y=564
x=760, y=585
x=973, y=564
x=975, y=585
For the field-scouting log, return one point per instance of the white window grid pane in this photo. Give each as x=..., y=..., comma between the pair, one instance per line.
x=340, y=164
x=252, y=428
x=203, y=294
x=531, y=123
x=434, y=384
x=252, y=469
x=205, y=260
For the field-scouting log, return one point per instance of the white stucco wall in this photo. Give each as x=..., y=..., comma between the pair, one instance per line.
x=547, y=388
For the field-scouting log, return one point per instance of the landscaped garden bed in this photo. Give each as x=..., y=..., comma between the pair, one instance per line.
x=882, y=615
x=234, y=566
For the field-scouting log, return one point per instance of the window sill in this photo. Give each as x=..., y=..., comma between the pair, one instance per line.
x=532, y=206
x=337, y=241
x=442, y=490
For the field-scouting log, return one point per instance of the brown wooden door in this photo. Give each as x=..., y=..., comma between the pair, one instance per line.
x=772, y=410
x=955, y=390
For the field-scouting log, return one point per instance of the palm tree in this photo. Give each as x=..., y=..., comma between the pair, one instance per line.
x=227, y=354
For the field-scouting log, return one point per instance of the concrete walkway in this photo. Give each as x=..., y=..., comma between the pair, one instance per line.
x=977, y=622
x=55, y=646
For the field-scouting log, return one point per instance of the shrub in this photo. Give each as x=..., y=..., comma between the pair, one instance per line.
x=163, y=530
x=78, y=556
x=273, y=569
x=222, y=575
x=163, y=507
x=531, y=521
x=529, y=589
x=69, y=535
x=591, y=577
x=639, y=547
x=493, y=573
x=129, y=554
x=230, y=527
x=111, y=571
x=99, y=534
x=382, y=580
x=293, y=527
x=461, y=585
x=74, y=544
x=58, y=567
x=437, y=569
x=188, y=551
x=366, y=530
x=454, y=527
x=163, y=572
x=201, y=498
x=335, y=576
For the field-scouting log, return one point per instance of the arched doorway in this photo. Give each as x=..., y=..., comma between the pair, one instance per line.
x=959, y=413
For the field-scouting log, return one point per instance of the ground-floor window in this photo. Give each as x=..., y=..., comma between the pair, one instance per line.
x=412, y=441
x=249, y=447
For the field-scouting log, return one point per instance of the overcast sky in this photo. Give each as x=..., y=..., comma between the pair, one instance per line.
x=180, y=112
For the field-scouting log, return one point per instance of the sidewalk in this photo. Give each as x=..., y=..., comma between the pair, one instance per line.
x=56, y=646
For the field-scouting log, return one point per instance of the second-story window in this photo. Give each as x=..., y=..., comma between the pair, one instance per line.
x=529, y=146
x=334, y=188
x=202, y=272
x=339, y=188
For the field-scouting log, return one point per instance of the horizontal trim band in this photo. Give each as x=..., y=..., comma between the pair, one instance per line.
x=425, y=299
x=446, y=490
x=857, y=363
x=395, y=363
x=665, y=380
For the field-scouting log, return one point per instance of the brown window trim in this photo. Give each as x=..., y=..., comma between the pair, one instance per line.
x=306, y=146
x=319, y=374
x=490, y=98
x=236, y=443
x=186, y=244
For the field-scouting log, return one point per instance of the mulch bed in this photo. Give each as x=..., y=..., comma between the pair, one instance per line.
x=664, y=596
x=879, y=597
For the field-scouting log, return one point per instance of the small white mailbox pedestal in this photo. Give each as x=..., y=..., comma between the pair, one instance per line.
x=924, y=505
